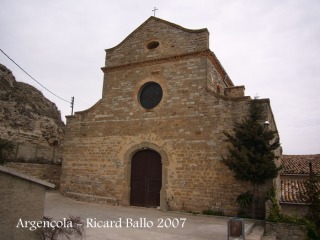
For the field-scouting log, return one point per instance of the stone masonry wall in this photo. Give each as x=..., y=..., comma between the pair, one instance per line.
x=48, y=172
x=294, y=210
x=188, y=125
x=19, y=199
x=173, y=41
x=30, y=152
x=285, y=231
x=186, y=128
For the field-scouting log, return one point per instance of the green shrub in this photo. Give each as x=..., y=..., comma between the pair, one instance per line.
x=244, y=200
x=277, y=216
x=213, y=212
x=6, y=147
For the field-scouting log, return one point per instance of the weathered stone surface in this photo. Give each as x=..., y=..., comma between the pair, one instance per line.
x=186, y=128
x=22, y=197
x=47, y=172
x=285, y=231
x=26, y=116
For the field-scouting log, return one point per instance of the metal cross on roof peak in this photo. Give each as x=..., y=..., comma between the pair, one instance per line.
x=154, y=11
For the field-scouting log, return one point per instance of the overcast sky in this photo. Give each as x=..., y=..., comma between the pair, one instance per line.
x=270, y=46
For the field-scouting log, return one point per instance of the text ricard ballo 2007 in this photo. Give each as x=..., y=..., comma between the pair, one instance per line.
x=96, y=223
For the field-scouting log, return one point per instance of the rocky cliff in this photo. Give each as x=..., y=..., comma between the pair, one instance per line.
x=26, y=116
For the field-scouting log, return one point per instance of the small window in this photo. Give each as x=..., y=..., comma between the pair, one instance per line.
x=153, y=45
x=218, y=89
x=150, y=95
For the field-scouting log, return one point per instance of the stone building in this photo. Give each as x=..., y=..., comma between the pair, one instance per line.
x=156, y=136
x=21, y=199
x=294, y=173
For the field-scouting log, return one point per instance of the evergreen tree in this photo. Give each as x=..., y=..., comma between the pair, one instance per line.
x=251, y=151
x=313, y=198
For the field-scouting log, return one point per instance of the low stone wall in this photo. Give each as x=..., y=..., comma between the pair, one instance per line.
x=20, y=199
x=34, y=153
x=48, y=172
x=295, y=210
x=285, y=231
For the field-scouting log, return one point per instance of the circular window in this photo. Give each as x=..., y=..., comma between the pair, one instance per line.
x=150, y=95
x=153, y=45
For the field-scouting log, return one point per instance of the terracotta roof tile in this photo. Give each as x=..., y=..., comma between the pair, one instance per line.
x=299, y=164
x=293, y=191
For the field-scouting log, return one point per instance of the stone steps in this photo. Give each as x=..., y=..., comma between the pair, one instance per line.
x=269, y=238
x=256, y=233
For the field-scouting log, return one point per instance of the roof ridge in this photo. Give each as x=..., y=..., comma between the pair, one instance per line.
x=160, y=20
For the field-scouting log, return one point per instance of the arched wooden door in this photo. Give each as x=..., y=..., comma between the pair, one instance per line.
x=146, y=178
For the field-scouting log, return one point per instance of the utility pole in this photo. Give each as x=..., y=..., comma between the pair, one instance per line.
x=72, y=105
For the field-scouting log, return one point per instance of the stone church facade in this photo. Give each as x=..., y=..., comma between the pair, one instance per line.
x=156, y=136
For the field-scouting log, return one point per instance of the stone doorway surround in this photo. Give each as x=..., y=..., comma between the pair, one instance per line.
x=127, y=172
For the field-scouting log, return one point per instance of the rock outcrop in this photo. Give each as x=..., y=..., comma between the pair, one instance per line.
x=26, y=116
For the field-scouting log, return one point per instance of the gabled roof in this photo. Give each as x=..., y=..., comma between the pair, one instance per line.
x=26, y=177
x=203, y=52
x=299, y=164
x=295, y=169
x=165, y=22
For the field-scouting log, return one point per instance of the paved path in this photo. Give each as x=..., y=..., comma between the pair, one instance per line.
x=135, y=223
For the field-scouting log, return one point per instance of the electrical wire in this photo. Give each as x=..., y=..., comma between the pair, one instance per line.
x=34, y=78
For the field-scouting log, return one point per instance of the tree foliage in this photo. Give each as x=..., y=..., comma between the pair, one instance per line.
x=313, y=198
x=251, y=152
x=5, y=148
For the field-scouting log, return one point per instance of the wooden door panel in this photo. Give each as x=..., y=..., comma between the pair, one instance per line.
x=154, y=187
x=146, y=173
x=138, y=187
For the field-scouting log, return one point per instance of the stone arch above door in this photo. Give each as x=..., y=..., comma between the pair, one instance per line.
x=127, y=172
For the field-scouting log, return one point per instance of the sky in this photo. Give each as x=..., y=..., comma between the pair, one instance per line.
x=270, y=46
